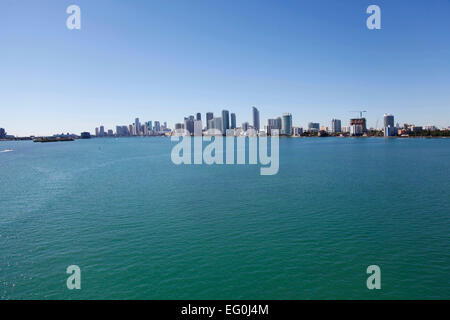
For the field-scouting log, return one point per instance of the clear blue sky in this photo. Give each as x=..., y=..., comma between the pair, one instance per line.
x=163, y=60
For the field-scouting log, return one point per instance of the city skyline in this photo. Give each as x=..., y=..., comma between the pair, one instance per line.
x=315, y=60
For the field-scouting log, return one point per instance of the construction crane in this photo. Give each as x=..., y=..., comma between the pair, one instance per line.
x=360, y=112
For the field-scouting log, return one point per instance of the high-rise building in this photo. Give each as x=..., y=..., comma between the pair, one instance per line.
x=150, y=125
x=233, y=121
x=125, y=131
x=199, y=116
x=244, y=126
x=286, y=124
x=97, y=132
x=359, y=122
x=189, y=125
x=198, y=129
x=255, y=114
x=138, y=126
x=102, y=131
x=209, y=116
x=389, y=128
x=157, y=126
x=356, y=130
x=336, y=126
x=218, y=124
x=273, y=124
x=2, y=133
x=225, y=120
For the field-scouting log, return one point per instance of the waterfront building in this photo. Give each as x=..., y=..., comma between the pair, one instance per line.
x=297, y=131
x=189, y=125
x=313, y=126
x=359, y=122
x=218, y=124
x=336, y=126
x=157, y=127
x=198, y=129
x=2, y=133
x=97, y=132
x=209, y=116
x=233, y=121
x=389, y=131
x=388, y=120
x=225, y=120
x=85, y=135
x=273, y=124
x=138, y=126
x=179, y=126
x=150, y=125
x=356, y=130
x=199, y=116
x=324, y=128
x=102, y=131
x=244, y=126
x=286, y=124
x=255, y=114
x=389, y=128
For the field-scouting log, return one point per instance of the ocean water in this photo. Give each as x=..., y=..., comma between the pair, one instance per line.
x=140, y=227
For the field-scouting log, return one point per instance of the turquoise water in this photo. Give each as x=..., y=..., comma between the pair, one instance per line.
x=141, y=227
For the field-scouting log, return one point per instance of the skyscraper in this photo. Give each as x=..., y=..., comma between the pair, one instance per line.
x=199, y=116
x=189, y=125
x=335, y=125
x=150, y=125
x=286, y=124
x=389, y=129
x=209, y=116
x=217, y=124
x=2, y=133
x=102, y=131
x=138, y=126
x=244, y=126
x=198, y=129
x=255, y=113
x=157, y=126
x=388, y=120
x=233, y=121
x=225, y=120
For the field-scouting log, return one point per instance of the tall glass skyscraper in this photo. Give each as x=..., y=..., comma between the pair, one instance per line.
x=225, y=120
x=209, y=116
x=233, y=121
x=255, y=113
x=286, y=124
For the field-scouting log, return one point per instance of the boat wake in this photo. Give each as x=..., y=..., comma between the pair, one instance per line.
x=7, y=150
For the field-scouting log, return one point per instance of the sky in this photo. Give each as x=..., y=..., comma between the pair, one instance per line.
x=164, y=60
